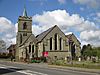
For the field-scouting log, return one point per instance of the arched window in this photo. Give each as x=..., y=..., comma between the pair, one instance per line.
x=73, y=50
x=32, y=48
x=20, y=38
x=55, y=41
x=60, y=43
x=29, y=48
x=24, y=25
x=51, y=43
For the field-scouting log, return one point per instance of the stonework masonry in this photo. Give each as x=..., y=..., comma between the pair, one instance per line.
x=53, y=41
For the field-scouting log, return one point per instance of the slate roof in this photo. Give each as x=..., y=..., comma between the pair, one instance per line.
x=70, y=35
x=32, y=35
x=41, y=36
x=25, y=12
x=11, y=46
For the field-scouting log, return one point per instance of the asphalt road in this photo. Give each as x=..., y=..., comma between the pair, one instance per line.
x=10, y=68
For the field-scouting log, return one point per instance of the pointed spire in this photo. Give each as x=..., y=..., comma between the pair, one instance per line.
x=25, y=12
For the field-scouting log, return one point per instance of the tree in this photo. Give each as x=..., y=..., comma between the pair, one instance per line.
x=83, y=49
x=89, y=47
x=2, y=45
x=96, y=51
x=86, y=51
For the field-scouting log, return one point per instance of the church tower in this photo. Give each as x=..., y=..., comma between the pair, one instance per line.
x=24, y=28
x=24, y=31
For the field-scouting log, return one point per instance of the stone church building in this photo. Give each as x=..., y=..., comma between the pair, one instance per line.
x=52, y=43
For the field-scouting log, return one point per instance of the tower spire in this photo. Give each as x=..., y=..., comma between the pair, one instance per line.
x=25, y=12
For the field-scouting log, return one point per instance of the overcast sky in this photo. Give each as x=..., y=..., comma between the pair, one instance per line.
x=82, y=17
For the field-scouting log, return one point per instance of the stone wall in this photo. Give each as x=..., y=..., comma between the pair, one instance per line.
x=58, y=55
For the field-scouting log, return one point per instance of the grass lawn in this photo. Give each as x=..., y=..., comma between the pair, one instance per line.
x=82, y=64
x=5, y=59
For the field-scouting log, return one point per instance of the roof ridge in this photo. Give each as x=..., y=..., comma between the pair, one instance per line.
x=45, y=32
x=49, y=31
x=25, y=40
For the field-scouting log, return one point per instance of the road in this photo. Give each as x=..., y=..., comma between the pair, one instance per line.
x=11, y=68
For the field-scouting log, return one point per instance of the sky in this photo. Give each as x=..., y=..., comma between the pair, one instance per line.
x=81, y=17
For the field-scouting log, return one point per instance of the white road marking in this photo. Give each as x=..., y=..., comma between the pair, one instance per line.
x=8, y=66
x=27, y=72
x=2, y=67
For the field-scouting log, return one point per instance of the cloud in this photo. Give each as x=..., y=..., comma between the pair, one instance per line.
x=39, y=2
x=88, y=3
x=16, y=27
x=86, y=25
x=92, y=37
x=84, y=43
x=98, y=14
x=5, y=24
x=88, y=31
x=97, y=18
x=36, y=29
x=62, y=1
x=82, y=9
x=66, y=21
x=7, y=30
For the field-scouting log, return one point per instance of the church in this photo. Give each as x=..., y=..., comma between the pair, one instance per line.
x=52, y=43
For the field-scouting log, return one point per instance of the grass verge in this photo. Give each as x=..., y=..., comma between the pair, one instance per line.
x=89, y=65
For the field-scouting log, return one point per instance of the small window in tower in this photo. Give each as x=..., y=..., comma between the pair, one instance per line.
x=24, y=25
x=20, y=38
